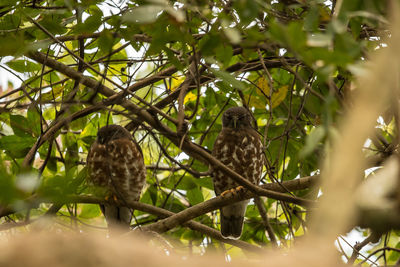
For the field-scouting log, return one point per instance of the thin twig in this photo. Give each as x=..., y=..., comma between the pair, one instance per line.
x=265, y=219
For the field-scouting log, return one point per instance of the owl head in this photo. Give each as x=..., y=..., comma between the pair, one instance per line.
x=236, y=118
x=112, y=132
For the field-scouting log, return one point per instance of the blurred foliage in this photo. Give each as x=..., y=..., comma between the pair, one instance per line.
x=290, y=62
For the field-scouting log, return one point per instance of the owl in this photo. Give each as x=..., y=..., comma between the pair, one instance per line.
x=115, y=162
x=239, y=147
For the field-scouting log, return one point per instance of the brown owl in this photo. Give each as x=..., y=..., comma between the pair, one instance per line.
x=115, y=162
x=239, y=147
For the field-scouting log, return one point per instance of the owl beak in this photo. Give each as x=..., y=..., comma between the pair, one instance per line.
x=101, y=140
x=235, y=119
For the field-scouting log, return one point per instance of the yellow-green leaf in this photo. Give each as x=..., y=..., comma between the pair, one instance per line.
x=53, y=94
x=277, y=96
x=189, y=97
x=176, y=82
x=255, y=101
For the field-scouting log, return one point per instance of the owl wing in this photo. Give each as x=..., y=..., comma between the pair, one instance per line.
x=127, y=169
x=97, y=170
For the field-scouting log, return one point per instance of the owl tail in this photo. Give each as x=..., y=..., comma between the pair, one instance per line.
x=232, y=218
x=118, y=218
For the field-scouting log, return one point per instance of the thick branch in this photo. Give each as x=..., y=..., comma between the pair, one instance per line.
x=197, y=210
x=165, y=213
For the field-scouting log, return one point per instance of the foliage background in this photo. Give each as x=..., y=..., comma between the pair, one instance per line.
x=167, y=70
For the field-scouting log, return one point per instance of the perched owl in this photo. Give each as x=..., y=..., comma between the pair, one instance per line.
x=115, y=162
x=239, y=147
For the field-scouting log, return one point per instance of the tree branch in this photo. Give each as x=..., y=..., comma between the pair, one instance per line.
x=165, y=213
x=264, y=216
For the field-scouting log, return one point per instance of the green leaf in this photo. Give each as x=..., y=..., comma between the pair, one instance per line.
x=54, y=187
x=224, y=54
x=314, y=104
x=311, y=21
x=79, y=123
x=12, y=44
x=229, y=79
x=91, y=24
x=53, y=23
x=20, y=125
x=106, y=41
x=72, y=154
x=89, y=211
x=9, y=21
x=312, y=140
x=193, y=236
x=33, y=120
x=394, y=255
x=248, y=10
x=209, y=43
x=150, y=195
x=52, y=165
x=206, y=182
x=17, y=146
x=9, y=192
x=52, y=162
x=195, y=196
x=7, y=2
x=291, y=36
x=187, y=183
x=77, y=181
x=143, y=14
x=23, y=66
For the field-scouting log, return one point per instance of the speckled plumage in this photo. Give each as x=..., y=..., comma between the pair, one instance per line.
x=239, y=147
x=115, y=162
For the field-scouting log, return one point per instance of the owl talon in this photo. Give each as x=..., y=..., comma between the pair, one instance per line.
x=235, y=190
x=239, y=188
x=111, y=197
x=226, y=192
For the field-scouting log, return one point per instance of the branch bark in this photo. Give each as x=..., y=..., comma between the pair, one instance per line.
x=210, y=205
x=162, y=213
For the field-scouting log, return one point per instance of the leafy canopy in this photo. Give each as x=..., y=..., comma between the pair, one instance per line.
x=167, y=70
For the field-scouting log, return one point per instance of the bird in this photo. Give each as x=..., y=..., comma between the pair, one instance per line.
x=115, y=162
x=239, y=147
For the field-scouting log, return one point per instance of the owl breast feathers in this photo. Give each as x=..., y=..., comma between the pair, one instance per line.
x=115, y=162
x=239, y=147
